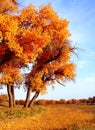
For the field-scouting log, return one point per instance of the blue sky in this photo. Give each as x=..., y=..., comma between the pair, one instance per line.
x=81, y=14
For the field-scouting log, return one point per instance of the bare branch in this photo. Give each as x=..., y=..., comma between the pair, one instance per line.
x=60, y=83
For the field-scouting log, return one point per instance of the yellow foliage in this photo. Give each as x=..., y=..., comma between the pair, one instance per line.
x=37, y=84
x=29, y=12
x=68, y=71
x=47, y=12
x=38, y=36
x=8, y=5
x=10, y=75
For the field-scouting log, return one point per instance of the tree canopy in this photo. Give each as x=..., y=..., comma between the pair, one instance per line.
x=38, y=37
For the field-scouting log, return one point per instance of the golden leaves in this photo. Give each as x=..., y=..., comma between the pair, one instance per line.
x=30, y=13
x=1, y=34
x=9, y=27
x=69, y=71
x=38, y=36
x=37, y=84
x=8, y=5
x=10, y=75
x=47, y=12
x=32, y=30
x=1, y=37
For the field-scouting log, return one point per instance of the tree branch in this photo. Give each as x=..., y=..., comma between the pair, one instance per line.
x=60, y=83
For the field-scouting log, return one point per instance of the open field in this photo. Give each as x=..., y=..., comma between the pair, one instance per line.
x=49, y=117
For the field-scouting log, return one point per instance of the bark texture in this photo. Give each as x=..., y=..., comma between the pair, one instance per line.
x=31, y=103
x=27, y=97
x=11, y=95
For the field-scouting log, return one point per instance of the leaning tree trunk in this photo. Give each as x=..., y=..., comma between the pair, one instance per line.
x=10, y=95
x=27, y=97
x=31, y=103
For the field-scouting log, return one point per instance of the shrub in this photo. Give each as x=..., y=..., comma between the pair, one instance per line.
x=3, y=98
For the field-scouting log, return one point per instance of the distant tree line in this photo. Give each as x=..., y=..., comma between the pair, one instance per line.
x=90, y=100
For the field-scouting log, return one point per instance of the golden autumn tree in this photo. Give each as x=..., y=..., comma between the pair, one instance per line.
x=10, y=77
x=22, y=39
x=8, y=73
x=36, y=36
x=53, y=64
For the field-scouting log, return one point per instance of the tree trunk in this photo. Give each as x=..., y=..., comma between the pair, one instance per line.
x=10, y=95
x=31, y=103
x=27, y=97
x=13, y=95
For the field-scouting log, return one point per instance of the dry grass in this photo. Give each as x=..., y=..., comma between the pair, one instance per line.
x=52, y=117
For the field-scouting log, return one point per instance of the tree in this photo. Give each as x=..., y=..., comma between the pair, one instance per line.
x=7, y=35
x=53, y=64
x=35, y=36
x=10, y=77
x=22, y=38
